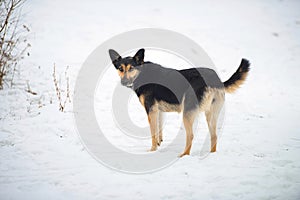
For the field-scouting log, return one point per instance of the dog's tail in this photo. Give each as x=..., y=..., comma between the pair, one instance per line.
x=238, y=78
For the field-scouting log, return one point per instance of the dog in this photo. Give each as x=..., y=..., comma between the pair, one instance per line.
x=189, y=91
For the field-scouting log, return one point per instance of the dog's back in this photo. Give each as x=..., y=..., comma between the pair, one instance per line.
x=171, y=86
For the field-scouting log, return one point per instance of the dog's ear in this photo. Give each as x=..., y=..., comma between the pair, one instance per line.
x=114, y=56
x=139, y=56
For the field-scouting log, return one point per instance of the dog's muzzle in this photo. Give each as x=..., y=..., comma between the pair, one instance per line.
x=126, y=82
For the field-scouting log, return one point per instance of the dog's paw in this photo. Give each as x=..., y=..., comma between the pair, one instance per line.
x=153, y=148
x=213, y=149
x=183, y=154
x=159, y=142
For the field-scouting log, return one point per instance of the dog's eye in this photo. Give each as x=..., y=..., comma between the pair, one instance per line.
x=121, y=69
x=131, y=68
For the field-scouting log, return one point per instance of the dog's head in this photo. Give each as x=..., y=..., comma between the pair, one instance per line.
x=129, y=67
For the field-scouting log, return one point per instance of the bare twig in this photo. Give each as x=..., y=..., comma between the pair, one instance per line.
x=29, y=89
x=59, y=92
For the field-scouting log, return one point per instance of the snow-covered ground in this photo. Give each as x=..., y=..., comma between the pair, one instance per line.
x=258, y=157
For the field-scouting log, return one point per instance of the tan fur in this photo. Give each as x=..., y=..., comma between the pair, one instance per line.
x=152, y=118
x=211, y=94
x=129, y=74
x=121, y=74
x=142, y=100
x=212, y=104
x=212, y=115
x=188, y=121
x=132, y=74
x=155, y=119
x=237, y=84
x=160, y=127
x=166, y=107
x=127, y=67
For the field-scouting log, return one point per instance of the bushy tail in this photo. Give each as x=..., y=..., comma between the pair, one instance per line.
x=238, y=78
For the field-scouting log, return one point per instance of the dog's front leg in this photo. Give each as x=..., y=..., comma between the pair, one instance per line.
x=152, y=118
x=160, y=127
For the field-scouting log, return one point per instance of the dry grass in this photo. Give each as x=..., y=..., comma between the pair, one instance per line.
x=13, y=42
x=63, y=96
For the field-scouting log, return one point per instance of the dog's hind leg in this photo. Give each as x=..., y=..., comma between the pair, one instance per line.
x=188, y=121
x=160, y=127
x=212, y=116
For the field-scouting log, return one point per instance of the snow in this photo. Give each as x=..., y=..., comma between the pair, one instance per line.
x=258, y=153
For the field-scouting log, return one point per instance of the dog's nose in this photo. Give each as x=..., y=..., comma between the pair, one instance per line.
x=124, y=82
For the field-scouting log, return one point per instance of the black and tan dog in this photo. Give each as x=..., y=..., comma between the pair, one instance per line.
x=189, y=91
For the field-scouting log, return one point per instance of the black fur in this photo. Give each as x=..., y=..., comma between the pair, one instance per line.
x=158, y=83
x=170, y=90
x=243, y=68
x=117, y=60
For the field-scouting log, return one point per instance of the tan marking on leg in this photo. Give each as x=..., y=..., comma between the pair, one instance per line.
x=160, y=127
x=152, y=118
x=212, y=116
x=188, y=121
x=142, y=100
x=212, y=130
